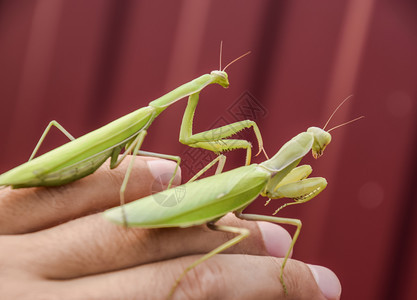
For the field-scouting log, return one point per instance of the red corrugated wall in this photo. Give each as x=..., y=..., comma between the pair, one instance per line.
x=85, y=63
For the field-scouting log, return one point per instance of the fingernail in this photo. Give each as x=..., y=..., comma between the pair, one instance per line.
x=162, y=171
x=327, y=281
x=276, y=239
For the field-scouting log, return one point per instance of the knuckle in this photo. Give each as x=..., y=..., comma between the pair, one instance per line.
x=253, y=244
x=148, y=243
x=299, y=286
x=206, y=281
x=141, y=240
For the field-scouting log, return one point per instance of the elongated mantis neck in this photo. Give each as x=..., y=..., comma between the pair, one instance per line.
x=291, y=151
x=189, y=88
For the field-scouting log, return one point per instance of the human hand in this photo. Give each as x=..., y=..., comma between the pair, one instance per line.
x=55, y=245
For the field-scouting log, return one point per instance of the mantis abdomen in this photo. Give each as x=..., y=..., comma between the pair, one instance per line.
x=79, y=157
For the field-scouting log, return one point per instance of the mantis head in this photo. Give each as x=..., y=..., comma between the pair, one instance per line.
x=221, y=78
x=321, y=139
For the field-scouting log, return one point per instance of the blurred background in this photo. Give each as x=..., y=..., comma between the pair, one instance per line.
x=86, y=63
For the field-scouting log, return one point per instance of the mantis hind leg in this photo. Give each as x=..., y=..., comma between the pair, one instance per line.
x=46, y=131
x=175, y=158
x=133, y=148
x=278, y=220
x=135, y=145
x=242, y=234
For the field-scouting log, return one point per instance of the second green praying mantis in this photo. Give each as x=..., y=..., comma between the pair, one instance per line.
x=207, y=200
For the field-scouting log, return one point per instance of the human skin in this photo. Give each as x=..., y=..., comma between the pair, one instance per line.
x=56, y=245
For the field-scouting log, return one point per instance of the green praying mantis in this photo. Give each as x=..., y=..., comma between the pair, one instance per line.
x=207, y=200
x=84, y=155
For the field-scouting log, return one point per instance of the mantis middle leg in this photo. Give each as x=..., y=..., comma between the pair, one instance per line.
x=242, y=234
x=278, y=220
x=133, y=148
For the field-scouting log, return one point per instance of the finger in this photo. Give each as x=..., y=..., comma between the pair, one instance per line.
x=232, y=277
x=222, y=277
x=100, y=246
x=31, y=209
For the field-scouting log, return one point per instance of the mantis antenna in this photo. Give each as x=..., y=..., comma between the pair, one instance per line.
x=343, y=124
x=348, y=122
x=337, y=108
x=235, y=60
x=221, y=50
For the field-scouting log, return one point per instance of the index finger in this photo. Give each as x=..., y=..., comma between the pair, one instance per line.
x=32, y=209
